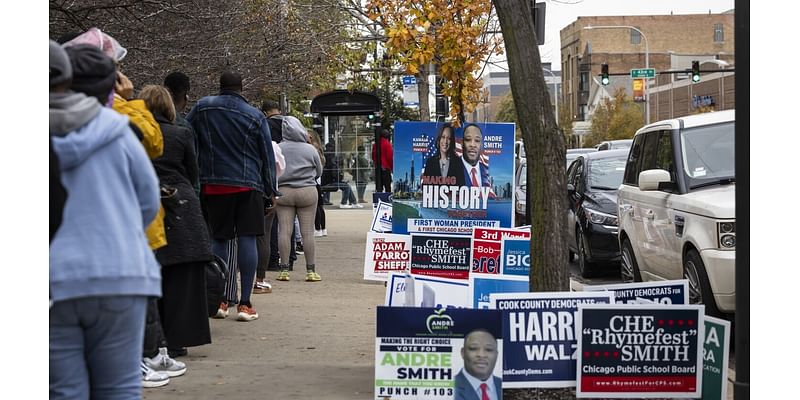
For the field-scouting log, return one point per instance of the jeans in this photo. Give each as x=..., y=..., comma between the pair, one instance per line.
x=361, y=187
x=96, y=347
x=347, y=192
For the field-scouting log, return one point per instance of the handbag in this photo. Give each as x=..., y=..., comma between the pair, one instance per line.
x=216, y=277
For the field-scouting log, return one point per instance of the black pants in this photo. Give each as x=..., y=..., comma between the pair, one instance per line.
x=153, y=333
x=264, y=245
x=386, y=181
x=319, y=219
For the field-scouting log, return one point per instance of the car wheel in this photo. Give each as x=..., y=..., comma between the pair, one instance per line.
x=629, y=269
x=699, y=288
x=584, y=266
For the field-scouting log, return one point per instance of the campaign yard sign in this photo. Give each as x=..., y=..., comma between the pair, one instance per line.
x=486, y=247
x=483, y=285
x=640, y=350
x=469, y=183
x=426, y=291
x=418, y=351
x=384, y=253
x=662, y=292
x=539, y=330
x=516, y=256
x=445, y=256
x=382, y=217
x=715, y=358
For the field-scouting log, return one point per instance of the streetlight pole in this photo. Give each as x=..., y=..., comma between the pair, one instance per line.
x=555, y=84
x=646, y=61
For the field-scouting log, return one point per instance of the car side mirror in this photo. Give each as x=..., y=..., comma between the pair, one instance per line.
x=570, y=188
x=652, y=178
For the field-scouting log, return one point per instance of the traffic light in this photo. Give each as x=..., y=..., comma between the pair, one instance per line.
x=695, y=71
x=604, y=74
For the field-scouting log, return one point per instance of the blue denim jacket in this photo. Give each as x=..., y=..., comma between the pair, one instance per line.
x=234, y=143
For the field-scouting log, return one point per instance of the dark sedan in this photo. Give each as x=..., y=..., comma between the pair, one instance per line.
x=592, y=183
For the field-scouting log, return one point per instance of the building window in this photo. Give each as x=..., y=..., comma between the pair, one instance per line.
x=719, y=33
x=636, y=37
x=584, y=83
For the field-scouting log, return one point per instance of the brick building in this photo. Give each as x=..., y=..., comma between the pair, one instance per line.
x=496, y=86
x=672, y=42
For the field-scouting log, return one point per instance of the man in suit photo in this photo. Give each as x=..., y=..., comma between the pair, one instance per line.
x=475, y=173
x=475, y=381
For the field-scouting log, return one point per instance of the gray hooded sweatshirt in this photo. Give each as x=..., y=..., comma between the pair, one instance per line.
x=303, y=165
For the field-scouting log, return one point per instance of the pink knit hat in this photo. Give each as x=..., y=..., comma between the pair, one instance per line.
x=96, y=37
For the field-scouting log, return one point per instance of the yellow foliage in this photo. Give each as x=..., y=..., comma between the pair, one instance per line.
x=453, y=32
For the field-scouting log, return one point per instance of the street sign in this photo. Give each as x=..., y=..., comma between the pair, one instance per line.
x=643, y=73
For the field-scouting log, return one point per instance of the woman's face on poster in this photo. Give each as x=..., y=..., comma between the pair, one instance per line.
x=444, y=140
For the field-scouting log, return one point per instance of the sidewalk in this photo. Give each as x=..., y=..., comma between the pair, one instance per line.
x=312, y=340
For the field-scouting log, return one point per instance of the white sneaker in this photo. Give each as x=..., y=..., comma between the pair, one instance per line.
x=345, y=206
x=164, y=363
x=358, y=206
x=324, y=232
x=318, y=233
x=151, y=378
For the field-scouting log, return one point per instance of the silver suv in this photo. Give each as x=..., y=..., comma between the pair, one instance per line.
x=676, y=207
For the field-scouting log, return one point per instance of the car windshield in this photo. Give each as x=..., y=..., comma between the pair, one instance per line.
x=523, y=175
x=571, y=157
x=606, y=173
x=708, y=154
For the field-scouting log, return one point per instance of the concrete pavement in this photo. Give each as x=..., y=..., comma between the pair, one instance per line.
x=312, y=340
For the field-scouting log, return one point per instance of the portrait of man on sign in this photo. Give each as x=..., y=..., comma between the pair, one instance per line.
x=476, y=381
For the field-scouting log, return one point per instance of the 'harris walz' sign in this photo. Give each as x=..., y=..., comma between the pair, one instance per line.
x=539, y=331
x=640, y=350
x=448, y=180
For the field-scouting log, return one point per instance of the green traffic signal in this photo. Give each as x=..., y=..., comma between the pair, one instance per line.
x=695, y=71
x=604, y=74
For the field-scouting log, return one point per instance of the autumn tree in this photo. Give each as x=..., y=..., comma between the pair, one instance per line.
x=295, y=48
x=506, y=112
x=452, y=34
x=617, y=117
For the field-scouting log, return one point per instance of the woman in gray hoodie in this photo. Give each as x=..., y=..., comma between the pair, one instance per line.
x=299, y=187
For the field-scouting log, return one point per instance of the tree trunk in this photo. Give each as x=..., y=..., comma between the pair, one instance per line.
x=424, y=91
x=544, y=147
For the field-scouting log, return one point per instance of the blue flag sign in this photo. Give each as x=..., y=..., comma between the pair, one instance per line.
x=539, y=330
x=660, y=292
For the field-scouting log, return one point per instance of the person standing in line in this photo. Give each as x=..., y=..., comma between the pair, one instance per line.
x=319, y=218
x=362, y=174
x=237, y=176
x=298, y=185
x=275, y=119
x=263, y=242
x=182, y=307
x=386, y=162
x=93, y=71
x=95, y=353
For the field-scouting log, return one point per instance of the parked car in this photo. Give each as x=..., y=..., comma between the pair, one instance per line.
x=677, y=208
x=591, y=230
x=615, y=144
x=520, y=193
x=572, y=154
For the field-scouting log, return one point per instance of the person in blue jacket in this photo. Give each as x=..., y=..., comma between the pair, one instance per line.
x=101, y=267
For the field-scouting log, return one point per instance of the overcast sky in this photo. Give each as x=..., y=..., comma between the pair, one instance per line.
x=559, y=14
